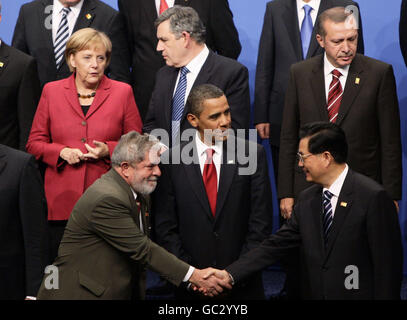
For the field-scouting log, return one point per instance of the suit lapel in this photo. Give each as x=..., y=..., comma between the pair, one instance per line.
x=86, y=15
x=314, y=45
x=71, y=95
x=3, y=159
x=290, y=18
x=102, y=94
x=168, y=94
x=341, y=211
x=318, y=88
x=227, y=173
x=43, y=15
x=352, y=88
x=4, y=53
x=316, y=209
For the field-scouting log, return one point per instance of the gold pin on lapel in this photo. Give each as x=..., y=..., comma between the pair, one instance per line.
x=1, y=64
x=344, y=204
x=88, y=16
x=357, y=80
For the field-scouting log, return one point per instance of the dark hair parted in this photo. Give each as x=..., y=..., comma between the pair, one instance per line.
x=199, y=94
x=326, y=136
x=183, y=19
x=336, y=14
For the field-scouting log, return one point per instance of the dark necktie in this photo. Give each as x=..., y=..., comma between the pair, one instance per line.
x=61, y=37
x=306, y=30
x=178, y=103
x=163, y=6
x=210, y=180
x=334, y=96
x=327, y=208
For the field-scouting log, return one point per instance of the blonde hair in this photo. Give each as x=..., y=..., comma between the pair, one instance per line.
x=87, y=38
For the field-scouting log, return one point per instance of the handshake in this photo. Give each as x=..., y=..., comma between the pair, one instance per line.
x=210, y=281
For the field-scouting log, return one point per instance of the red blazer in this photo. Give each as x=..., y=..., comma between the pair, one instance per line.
x=59, y=122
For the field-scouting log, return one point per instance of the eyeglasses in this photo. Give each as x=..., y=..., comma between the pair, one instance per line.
x=301, y=157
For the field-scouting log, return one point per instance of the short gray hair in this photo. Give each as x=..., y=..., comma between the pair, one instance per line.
x=199, y=94
x=183, y=19
x=132, y=148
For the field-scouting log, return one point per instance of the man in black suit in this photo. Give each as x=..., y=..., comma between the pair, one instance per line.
x=221, y=37
x=35, y=34
x=284, y=41
x=19, y=95
x=345, y=225
x=356, y=92
x=23, y=222
x=209, y=224
x=181, y=40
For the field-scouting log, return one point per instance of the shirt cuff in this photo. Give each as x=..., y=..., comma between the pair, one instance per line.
x=189, y=273
x=30, y=298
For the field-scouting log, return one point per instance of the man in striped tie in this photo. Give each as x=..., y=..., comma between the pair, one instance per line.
x=357, y=93
x=345, y=225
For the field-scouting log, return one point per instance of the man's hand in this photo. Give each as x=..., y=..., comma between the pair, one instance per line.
x=397, y=205
x=286, y=207
x=100, y=151
x=72, y=156
x=263, y=130
x=210, y=286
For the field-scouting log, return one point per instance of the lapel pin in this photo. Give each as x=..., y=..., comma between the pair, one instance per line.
x=357, y=80
x=344, y=204
x=231, y=162
x=1, y=64
x=88, y=16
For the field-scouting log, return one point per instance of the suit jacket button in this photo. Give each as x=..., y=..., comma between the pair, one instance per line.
x=84, y=123
x=83, y=140
x=216, y=235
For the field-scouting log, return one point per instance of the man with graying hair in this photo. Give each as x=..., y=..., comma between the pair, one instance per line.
x=105, y=248
x=181, y=40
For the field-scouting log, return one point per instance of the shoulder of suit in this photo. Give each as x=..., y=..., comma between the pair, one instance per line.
x=308, y=63
x=105, y=7
x=371, y=62
x=15, y=156
x=365, y=184
x=16, y=54
x=310, y=192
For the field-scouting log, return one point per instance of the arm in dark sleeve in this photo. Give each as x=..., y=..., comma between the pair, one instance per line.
x=403, y=30
x=28, y=96
x=361, y=45
x=33, y=215
x=119, y=68
x=264, y=70
x=225, y=35
x=384, y=237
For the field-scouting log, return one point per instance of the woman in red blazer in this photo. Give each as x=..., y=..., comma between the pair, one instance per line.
x=77, y=125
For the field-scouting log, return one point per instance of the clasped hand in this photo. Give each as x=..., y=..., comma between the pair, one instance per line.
x=74, y=155
x=210, y=282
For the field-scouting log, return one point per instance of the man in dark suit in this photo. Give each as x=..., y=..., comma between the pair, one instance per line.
x=356, y=92
x=345, y=225
x=284, y=41
x=208, y=224
x=221, y=37
x=105, y=248
x=181, y=36
x=23, y=222
x=19, y=95
x=36, y=35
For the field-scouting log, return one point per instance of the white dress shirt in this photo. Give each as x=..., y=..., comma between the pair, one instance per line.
x=194, y=67
x=170, y=4
x=328, y=68
x=336, y=187
x=314, y=4
x=57, y=17
x=216, y=158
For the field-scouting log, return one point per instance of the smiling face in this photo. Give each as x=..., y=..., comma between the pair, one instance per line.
x=89, y=65
x=143, y=176
x=339, y=42
x=215, y=116
x=312, y=164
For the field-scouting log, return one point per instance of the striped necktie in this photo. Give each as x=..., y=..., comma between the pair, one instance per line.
x=334, y=96
x=61, y=38
x=327, y=208
x=178, y=102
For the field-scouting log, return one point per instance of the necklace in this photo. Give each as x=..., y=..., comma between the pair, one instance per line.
x=86, y=96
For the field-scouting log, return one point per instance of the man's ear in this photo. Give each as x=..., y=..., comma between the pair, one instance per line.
x=187, y=38
x=320, y=40
x=193, y=120
x=124, y=168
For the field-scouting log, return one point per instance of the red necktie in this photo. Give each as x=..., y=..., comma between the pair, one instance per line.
x=334, y=96
x=210, y=180
x=163, y=6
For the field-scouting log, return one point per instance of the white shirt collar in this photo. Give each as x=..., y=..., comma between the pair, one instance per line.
x=195, y=65
x=314, y=4
x=328, y=68
x=134, y=193
x=201, y=146
x=76, y=9
x=336, y=187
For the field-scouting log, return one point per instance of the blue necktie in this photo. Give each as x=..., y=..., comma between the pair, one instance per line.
x=61, y=38
x=178, y=103
x=327, y=208
x=306, y=30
